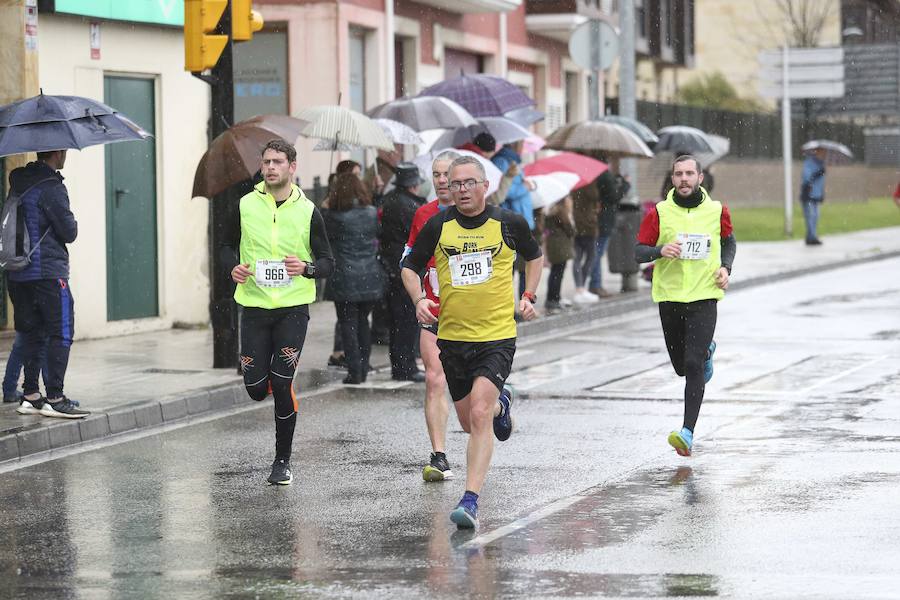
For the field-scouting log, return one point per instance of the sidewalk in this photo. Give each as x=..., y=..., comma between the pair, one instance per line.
x=144, y=380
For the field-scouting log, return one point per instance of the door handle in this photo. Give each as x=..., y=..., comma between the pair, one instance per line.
x=119, y=193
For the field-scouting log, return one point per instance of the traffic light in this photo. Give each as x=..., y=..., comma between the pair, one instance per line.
x=244, y=20
x=202, y=50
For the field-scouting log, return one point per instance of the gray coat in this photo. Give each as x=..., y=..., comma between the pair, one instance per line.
x=358, y=276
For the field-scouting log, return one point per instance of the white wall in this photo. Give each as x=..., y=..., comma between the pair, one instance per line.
x=182, y=112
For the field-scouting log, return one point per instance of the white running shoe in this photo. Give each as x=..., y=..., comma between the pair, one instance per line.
x=585, y=297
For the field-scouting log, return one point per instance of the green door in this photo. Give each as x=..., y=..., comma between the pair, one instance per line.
x=131, y=257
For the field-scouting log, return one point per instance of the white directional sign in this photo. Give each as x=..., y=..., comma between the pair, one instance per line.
x=811, y=73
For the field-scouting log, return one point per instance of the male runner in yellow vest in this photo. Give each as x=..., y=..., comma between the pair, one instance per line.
x=281, y=231
x=690, y=237
x=474, y=247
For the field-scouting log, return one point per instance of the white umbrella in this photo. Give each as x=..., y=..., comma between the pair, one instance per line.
x=492, y=173
x=503, y=130
x=341, y=125
x=835, y=153
x=425, y=112
x=400, y=133
x=552, y=188
x=721, y=147
x=683, y=139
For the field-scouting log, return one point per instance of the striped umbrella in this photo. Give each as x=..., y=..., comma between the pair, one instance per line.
x=598, y=136
x=341, y=125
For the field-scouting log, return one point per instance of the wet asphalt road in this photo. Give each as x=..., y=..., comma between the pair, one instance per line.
x=791, y=493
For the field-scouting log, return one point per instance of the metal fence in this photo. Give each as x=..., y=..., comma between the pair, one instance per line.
x=752, y=135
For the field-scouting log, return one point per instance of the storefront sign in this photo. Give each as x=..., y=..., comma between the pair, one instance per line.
x=163, y=12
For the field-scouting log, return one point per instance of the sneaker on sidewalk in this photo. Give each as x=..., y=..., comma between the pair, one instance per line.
x=682, y=441
x=438, y=469
x=465, y=515
x=503, y=423
x=708, y=364
x=281, y=472
x=63, y=409
x=585, y=297
x=31, y=407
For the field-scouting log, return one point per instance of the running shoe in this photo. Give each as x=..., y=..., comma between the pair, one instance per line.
x=63, y=409
x=465, y=515
x=708, y=365
x=682, y=441
x=30, y=407
x=503, y=423
x=438, y=469
x=281, y=472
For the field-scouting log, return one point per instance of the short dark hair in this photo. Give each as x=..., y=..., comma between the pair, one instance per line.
x=346, y=166
x=485, y=141
x=686, y=157
x=344, y=190
x=279, y=145
x=43, y=156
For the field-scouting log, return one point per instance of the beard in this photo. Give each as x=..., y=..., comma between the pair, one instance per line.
x=694, y=190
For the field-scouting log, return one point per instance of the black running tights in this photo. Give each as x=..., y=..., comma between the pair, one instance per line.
x=688, y=328
x=271, y=342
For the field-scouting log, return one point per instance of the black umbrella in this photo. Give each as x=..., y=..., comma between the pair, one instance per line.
x=682, y=139
x=44, y=123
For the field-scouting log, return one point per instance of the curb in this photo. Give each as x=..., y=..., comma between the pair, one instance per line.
x=37, y=435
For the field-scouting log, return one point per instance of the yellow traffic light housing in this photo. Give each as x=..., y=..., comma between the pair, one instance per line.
x=244, y=20
x=202, y=50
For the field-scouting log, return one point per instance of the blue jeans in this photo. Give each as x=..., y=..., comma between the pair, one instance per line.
x=14, y=365
x=584, y=257
x=811, y=215
x=596, y=270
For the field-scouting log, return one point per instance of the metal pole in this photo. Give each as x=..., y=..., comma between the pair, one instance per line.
x=503, y=55
x=594, y=99
x=786, y=145
x=389, y=48
x=223, y=213
x=627, y=101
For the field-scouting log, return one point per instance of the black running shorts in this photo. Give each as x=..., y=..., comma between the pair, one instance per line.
x=464, y=361
x=433, y=328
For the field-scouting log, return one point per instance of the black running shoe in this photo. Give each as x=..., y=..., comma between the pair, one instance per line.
x=281, y=472
x=63, y=409
x=438, y=469
x=30, y=407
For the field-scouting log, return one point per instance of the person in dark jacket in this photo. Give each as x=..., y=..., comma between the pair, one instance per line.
x=397, y=212
x=40, y=292
x=357, y=281
x=612, y=187
x=812, y=193
x=560, y=234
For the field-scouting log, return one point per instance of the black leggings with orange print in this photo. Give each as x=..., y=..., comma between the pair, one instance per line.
x=271, y=343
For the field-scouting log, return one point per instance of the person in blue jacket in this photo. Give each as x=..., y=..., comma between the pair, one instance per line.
x=40, y=293
x=812, y=193
x=518, y=197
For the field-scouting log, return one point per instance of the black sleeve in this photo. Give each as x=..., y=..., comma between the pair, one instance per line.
x=55, y=205
x=321, y=249
x=518, y=236
x=230, y=243
x=425, y=244
x=644, y=253
x=729, y=249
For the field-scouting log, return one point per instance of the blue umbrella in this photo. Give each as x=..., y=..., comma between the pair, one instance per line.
x=482, y=95
x=44, y=123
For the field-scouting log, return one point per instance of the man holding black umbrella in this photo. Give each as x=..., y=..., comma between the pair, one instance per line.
x=40, y=292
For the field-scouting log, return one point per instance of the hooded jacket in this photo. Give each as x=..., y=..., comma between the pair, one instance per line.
x=46, y=209
x=518, y=198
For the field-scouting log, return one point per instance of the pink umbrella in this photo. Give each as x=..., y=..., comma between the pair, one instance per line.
x=587, y=169
x=533, y=143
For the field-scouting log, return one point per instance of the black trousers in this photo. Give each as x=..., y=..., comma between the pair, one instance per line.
x=271, y=343
x=404, y=329
x=688, y=328
x=44, y=307
x=554, y=283
x=353, y=322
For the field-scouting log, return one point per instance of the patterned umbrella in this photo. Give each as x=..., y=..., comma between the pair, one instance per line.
x=598, y=136
x=400, y=133
x=343, y=125
x=482, y=95
x=424, y=113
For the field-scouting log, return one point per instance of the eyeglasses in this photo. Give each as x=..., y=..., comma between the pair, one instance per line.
x=469, y=184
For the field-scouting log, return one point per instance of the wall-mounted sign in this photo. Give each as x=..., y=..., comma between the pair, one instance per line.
x=95, y=41
x=162, y=12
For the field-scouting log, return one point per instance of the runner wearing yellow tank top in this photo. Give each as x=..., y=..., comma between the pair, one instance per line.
x=474, y=247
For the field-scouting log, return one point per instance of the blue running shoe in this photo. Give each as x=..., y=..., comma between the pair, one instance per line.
x=682, y=441
x=708, y=365
x=465, y=515
x=503, y=423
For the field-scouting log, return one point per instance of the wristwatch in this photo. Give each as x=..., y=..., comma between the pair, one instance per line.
x=309, y=270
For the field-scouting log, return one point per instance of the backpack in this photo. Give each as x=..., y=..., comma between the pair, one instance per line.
x=15, y=243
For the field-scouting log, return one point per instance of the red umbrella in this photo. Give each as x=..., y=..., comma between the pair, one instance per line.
x=587, y=169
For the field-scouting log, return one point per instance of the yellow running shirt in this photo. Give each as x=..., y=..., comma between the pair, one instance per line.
x=474, y=260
